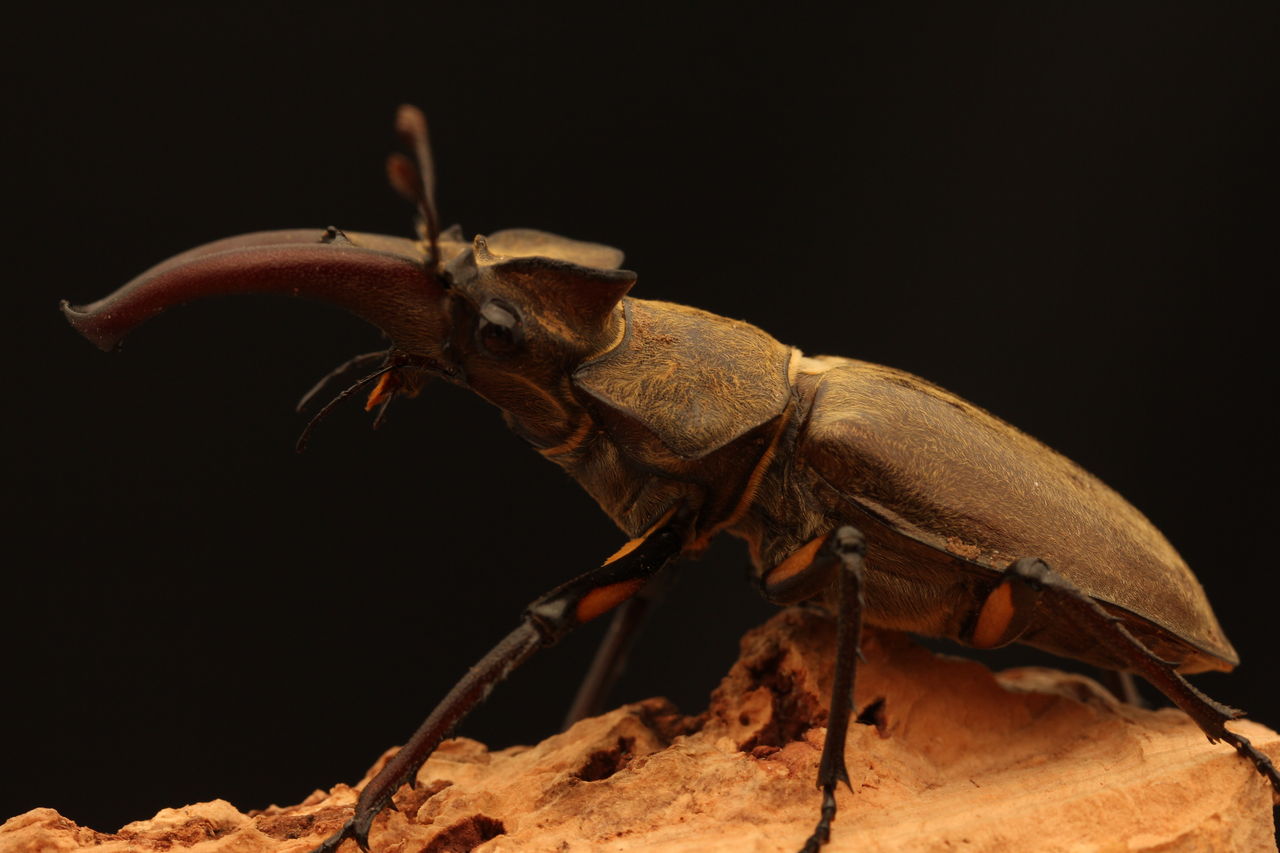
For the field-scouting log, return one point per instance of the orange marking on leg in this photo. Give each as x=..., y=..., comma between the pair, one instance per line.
x=997, y=612
x=800, y=559
x=666, y=516
x=603, y=599
x=631, y=545
x=635, y=543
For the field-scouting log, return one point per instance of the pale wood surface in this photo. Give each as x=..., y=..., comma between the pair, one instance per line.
x=960, y=759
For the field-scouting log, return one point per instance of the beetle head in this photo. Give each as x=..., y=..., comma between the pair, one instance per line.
x=525, y=308
x=499, y=315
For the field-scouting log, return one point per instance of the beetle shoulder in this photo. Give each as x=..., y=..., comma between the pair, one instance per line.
x=694, y=380
x=943, y=472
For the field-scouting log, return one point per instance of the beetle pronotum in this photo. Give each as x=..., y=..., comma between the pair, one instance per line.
x=873, y=492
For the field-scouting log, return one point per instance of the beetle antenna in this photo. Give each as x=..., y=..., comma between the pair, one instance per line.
x=417, y=182
x=362, y=360
x=329, y=406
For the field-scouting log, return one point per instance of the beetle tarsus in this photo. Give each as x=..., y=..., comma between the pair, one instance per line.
x=1260, y=759
x=1211, y=716
x=349, y=830
x=822, y=832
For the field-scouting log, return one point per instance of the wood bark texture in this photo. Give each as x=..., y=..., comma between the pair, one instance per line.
x=948, y=757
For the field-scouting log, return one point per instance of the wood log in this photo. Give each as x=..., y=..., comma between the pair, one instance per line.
x=947, y=756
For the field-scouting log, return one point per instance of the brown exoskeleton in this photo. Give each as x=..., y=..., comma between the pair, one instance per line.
x=860, y=487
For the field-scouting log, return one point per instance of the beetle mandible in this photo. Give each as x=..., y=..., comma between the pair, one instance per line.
x=868, y=490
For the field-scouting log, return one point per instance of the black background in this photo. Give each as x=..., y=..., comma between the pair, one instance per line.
x=1063, y=214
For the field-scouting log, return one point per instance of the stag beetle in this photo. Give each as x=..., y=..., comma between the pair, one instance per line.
x=863, y=488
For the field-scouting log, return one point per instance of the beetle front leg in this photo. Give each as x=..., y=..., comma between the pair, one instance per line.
x=543, y=623
x=1031, y=584
x=805, y=573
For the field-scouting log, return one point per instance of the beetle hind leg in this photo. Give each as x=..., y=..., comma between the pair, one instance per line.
x=1040, y=586
x=1123, y=686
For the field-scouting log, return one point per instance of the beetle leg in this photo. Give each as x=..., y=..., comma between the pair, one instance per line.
x=845, y=550
x=1005, y=614
x=1061, y=595
x=611, y=657
x=544, y=622
x=805, y=574
x=1122, y=686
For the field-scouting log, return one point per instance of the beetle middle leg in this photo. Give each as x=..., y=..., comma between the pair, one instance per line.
x=611, y=656
x=804, y=573
x=1030, y=584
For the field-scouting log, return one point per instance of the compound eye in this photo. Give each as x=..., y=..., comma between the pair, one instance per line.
x=499, y=328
